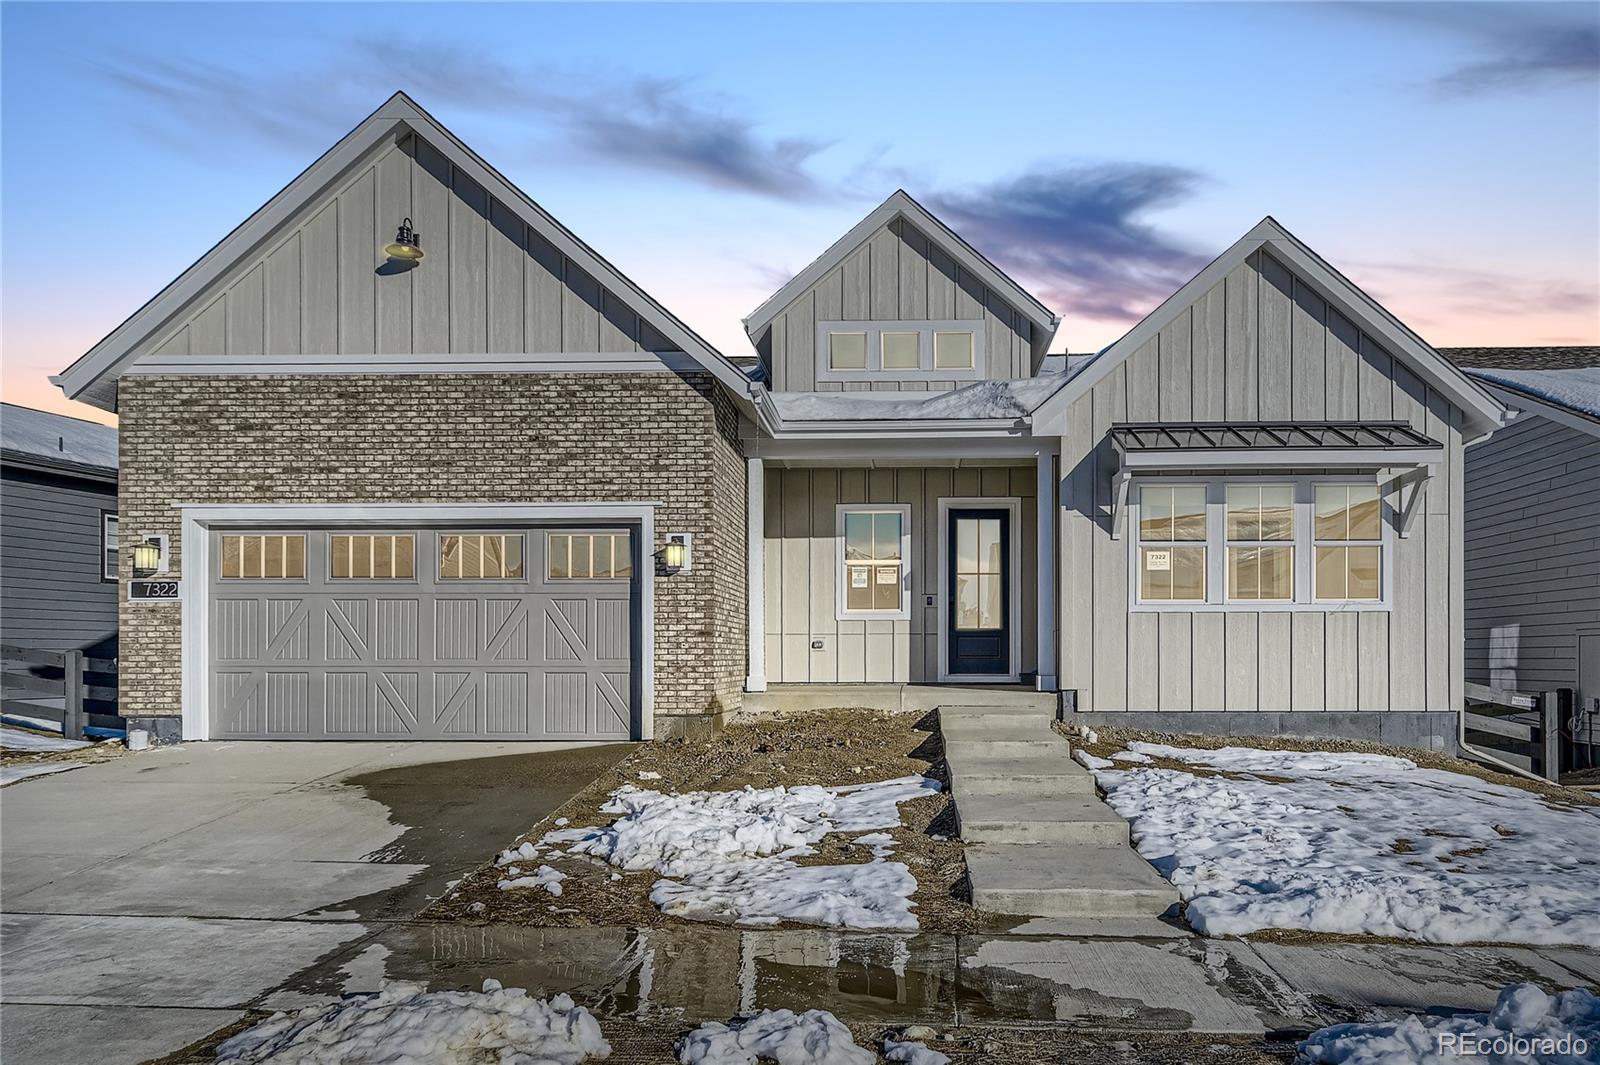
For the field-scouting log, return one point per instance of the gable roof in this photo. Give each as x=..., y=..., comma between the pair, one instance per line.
x=1568, y=395
x=42, y=438
x=1533, y=358
x=1483, y=412
x=901, y=205
x=92, y=377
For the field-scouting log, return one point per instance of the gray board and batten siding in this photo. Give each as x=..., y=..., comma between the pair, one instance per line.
x=489, y=284
x=1532, y=553
x=1260, y=345
x=897, y=274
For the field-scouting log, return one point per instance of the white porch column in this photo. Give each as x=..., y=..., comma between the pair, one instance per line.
x=755, y=480
x=1048, y=502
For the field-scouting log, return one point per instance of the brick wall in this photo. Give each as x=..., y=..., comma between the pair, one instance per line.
x=663, y=438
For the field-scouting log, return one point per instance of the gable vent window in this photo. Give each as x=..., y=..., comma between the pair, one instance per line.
x=902, y=351
x=263, y=557
x=952, y=351
x=847, y=351
x=943, y=351
x=480, y=557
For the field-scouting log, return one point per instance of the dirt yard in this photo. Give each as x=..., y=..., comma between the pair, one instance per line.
x=829, y=747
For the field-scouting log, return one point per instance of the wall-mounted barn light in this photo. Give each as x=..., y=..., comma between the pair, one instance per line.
x=149, y=556
x=407, y=244
x=674, y=554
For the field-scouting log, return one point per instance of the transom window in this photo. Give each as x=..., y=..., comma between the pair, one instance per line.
x=900, y=350
x=263, y=556
x=587, y=556
x=1260, y=544
x=480, y=556
x=874, y=543
x=383, y=556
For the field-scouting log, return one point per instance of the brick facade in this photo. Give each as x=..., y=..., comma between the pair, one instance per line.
x=662, y=438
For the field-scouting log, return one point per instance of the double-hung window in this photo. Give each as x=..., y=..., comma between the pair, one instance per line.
x=874, y=547
x=1259, y=543
x=108, y=546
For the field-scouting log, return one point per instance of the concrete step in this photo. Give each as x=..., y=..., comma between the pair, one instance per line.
x=1080, y=819
x=1030, y=776
x=1009, y=727
x=1066, y=880
x=1018, y=712
x=1043, y=747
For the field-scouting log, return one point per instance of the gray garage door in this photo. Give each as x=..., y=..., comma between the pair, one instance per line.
x=423, y=633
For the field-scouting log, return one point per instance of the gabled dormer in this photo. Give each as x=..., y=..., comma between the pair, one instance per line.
x=900, y=302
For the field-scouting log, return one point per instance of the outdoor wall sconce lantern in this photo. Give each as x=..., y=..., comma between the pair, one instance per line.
x=675, y=554
x=150, y=556
x=407, y=245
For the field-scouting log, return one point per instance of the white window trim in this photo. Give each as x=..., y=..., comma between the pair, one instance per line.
x=926, y=371
x=109, y=546
x=840, y=612
x=1216, y=544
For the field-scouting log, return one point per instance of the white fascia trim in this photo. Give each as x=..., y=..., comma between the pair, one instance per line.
x=1236, y=458
x=882, y=452
x=542, y=362
x=194, y=595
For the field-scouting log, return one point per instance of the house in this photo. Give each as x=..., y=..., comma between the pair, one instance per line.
x=58, y=530
x=1533, y=526
x=475, y=483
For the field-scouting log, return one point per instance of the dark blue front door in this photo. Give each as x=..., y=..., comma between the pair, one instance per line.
x=978, y=626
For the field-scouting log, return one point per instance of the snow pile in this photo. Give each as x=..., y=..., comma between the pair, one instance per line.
x=984, y=399
x=11, y=773
x=17, y=740
x=405, y=1023
x=1526, y=1027
x=1576, y=389
x=815, y=1037
x=912, y=1053
x=545, y=877
x=1360, y=843
x=729, y=852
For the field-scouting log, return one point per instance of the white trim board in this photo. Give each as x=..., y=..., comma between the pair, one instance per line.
x=1012, y=504
x=194, y=595
x=543, y=362
x=399, y=116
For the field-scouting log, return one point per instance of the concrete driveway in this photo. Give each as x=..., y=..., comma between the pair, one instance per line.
x=147, y=901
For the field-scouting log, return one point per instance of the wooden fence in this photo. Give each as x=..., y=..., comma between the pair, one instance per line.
x=1523, y=729
x=59, y=687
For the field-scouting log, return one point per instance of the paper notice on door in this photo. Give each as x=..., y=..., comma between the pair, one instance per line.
x=858, y=576
x=888, y=575
x=1158, y=561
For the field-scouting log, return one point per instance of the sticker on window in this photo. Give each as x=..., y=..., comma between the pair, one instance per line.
x=858, y=576
x=888, y=575
x=1158, y=561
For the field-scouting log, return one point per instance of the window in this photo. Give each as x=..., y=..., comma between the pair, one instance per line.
x=372, y=557
x=952, y=351
x=269, y=556
x=980, y=575
x=1287, y=543
x=589, y=556
x=1260, y=542
x=108, y=546
x=480, y=556
x=1172, y=543
x=847, y=351
x=1349, y=543
x=902, y=351
x=874, y=544
x=948, y=350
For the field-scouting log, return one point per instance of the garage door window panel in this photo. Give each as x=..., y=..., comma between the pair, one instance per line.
x=480, y=557
x=372, y=557
x=263, y=556
x=586, y=556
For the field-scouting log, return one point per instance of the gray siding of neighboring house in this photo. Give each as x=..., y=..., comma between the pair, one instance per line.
x=52, y=594
x=1532, y=553
x=896, y=275
x=488, y=283
x=1258, y=346
x=802, y=568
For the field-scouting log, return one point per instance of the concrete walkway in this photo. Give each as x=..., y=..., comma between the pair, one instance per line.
x=148, y=900
x=1042, y=841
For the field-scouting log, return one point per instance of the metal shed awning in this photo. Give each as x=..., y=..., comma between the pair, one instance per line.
x=1211, y=445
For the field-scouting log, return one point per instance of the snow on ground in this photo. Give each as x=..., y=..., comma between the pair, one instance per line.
x=815, y=1037
x=912, y=1053
x=10, y=774
x=544, y=877
x=728, y=853
x=1526, y=1027
x=406, y=1023
x=16, y=740
x=1361, y=843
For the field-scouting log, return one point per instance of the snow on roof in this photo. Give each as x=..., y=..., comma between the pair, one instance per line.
x=1577, y=390
x=985, y=399
x=57, y=438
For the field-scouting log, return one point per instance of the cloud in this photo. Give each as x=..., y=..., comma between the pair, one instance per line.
x=1433, y=295
x=1080, y=234
x=652, y=124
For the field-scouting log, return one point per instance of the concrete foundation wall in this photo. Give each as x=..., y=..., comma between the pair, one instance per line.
x=1426, y=730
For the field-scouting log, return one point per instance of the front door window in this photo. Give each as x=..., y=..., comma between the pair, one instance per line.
x=980, y=592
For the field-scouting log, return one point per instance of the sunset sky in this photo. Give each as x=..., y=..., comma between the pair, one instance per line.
x=1444, y=156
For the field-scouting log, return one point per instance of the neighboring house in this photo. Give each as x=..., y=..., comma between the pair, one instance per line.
x=58, y=530
x=1533, y=524
x=503, y=493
